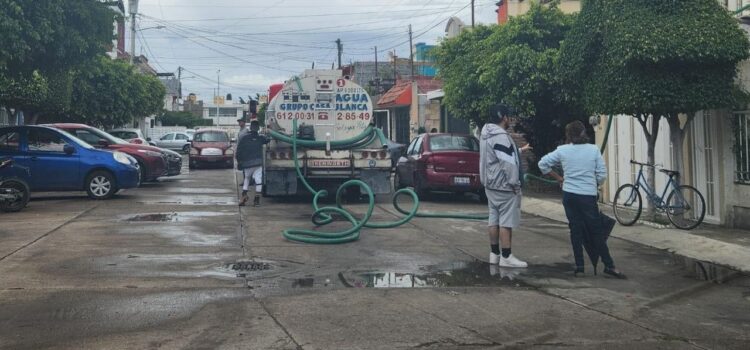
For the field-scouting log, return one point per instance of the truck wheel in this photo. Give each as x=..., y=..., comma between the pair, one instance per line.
x=397, y=182
x=101, y=185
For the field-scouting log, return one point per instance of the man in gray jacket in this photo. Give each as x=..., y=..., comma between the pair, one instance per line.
x=500, y=173
x=250, y=160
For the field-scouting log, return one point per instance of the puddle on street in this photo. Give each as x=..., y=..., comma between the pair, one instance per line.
x=198, y=190
x=172, y=217
x=459, y=274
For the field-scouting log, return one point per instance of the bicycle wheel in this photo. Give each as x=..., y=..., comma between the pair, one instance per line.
x=627, y=205
x=686, y=207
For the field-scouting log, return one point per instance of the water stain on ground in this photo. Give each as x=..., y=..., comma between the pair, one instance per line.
x=172, y=217
x=459, y=274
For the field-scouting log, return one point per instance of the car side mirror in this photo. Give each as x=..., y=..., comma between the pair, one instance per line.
x=148, y=139
x=233, y=140
x=69, y=150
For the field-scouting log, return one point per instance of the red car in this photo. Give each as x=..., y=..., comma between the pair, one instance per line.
x=211, y=146
x=151, y=160
x=440, y=162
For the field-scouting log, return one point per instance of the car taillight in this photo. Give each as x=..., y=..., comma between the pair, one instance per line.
x=383, y=154
x=229, y=152
x=428, y=163
x=272, y=154
x=194, y=151
x=365, y=155
x=374, y=155
x=282, y=155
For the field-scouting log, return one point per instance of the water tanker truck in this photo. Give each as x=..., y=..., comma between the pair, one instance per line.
x=336, y=137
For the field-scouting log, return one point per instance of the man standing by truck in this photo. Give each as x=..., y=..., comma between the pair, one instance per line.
x=250, y=160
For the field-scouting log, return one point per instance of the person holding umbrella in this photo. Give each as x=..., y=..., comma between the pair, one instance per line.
x=584, y=170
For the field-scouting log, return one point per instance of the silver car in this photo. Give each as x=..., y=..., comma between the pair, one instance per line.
x=178, y=141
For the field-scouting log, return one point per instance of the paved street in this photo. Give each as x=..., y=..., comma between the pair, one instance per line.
x=176, y=264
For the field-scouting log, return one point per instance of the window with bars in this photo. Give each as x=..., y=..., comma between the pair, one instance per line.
x=742, y=146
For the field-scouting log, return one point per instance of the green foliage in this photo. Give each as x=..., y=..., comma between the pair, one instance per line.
x=514, y=64
x=112, y=93
x=658, y=57
x=185, y=119
x=262, y=108
x=459, y=60
x=41, y=44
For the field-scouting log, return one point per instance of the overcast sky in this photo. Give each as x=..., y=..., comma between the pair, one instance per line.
x=258, y=43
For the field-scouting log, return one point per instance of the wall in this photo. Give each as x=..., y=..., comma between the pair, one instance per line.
x=516, y=8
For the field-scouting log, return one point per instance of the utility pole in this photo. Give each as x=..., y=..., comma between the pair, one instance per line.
x=218, y=92
x=377, y=76
x=340, y=48
x=395, y=66
x=472, y=13
x=133, y=7
x=411, y=53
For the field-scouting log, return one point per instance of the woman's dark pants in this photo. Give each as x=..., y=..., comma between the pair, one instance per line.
x=583, y=216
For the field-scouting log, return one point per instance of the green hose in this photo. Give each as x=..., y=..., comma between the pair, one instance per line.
x=322, y=216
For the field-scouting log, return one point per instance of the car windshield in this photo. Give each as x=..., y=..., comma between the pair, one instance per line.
x=211, y=137
x=453, y=143
x=124, y=134
x=75, y=139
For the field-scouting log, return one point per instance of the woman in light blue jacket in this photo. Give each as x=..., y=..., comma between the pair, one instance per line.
x=584, y=170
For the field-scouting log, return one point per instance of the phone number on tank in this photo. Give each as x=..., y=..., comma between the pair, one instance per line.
x=311, y=116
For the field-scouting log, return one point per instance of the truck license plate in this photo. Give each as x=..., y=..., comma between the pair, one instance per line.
x=329, y=163
x=461, y=180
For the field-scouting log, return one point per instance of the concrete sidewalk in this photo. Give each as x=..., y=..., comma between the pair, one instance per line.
x=715, y=245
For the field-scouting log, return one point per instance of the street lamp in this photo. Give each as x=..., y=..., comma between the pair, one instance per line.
x=133, y=9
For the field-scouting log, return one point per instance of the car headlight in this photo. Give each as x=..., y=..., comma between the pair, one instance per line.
x=149, y=153
x=194, y=151
x=229, y=152
x=122, y=158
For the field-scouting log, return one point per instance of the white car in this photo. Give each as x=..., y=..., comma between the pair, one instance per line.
x=131, y=135
x=178, y=141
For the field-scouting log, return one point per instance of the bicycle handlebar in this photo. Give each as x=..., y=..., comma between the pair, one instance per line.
x=642, y=164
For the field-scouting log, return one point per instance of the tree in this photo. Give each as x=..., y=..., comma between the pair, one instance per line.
x=185, y=119
x=520, y=70
x=41, y=42
x=459, y=60
x=514, y=64
x=654, y=59
x=112, y=93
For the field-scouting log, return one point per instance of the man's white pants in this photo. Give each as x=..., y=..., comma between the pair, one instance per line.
x=256, y=173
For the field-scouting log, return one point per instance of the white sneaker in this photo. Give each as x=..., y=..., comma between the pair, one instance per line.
x=494, y=258
x=511, y=261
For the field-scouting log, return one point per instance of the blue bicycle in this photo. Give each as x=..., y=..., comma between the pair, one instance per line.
x=685, y=206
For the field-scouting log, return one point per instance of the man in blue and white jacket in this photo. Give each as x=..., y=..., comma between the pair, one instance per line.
x=500, y=173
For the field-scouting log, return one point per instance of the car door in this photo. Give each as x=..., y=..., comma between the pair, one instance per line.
x=413, y=159
x=403, y=165
x=166, y=141
x=181, y=140
x=51, y=168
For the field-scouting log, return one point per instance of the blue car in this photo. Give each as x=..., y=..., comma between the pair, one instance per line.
x=59, y=161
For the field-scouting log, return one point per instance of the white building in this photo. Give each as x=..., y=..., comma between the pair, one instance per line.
x=223, y=114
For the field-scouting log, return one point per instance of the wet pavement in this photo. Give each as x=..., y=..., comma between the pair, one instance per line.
x=177, y=264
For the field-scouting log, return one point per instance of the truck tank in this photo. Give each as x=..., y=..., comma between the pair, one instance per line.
x=337, y=108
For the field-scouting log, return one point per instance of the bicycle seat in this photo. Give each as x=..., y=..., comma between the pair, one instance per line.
x=670, y=172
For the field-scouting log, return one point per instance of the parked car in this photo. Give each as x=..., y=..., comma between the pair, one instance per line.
x=132, y=136
x=211, y=146
x=59, y=161
x=174, y=162
x=440, y=162
x=152, y=161
x=177, y=141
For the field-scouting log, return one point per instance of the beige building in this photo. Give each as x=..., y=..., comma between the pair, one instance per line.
x=519, y=7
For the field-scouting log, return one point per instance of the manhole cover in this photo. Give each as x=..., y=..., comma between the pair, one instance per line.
x=249, y=266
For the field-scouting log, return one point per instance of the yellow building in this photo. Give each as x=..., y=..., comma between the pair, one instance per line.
x=519, y=7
